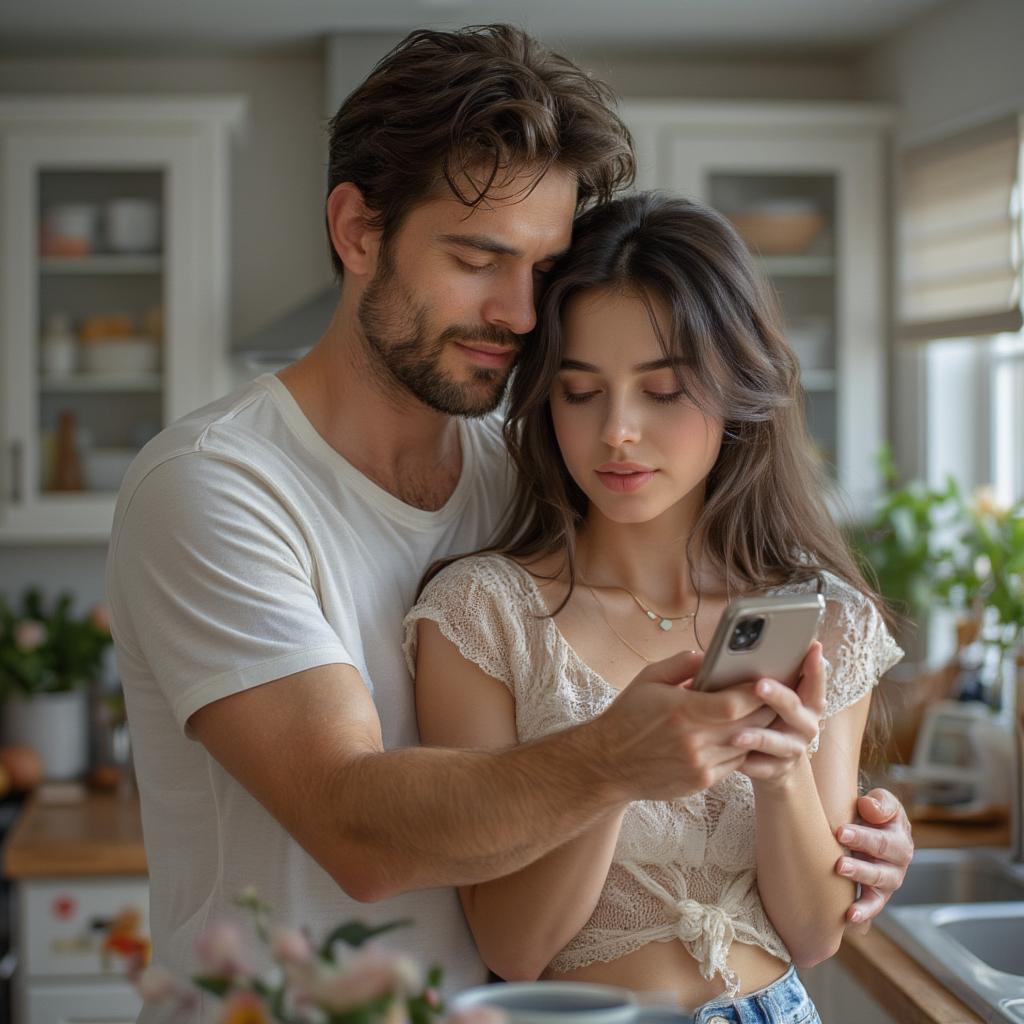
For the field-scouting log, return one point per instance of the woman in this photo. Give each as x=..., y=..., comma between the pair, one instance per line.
x=664, y=469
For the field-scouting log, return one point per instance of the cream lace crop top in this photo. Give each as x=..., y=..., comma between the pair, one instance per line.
x=682, y=869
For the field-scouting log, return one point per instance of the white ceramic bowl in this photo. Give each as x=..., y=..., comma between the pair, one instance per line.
x=129, y=355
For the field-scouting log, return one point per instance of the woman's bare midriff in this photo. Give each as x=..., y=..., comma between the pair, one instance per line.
x=666, y=967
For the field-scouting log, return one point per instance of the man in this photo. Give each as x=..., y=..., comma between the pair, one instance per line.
x=266, y=548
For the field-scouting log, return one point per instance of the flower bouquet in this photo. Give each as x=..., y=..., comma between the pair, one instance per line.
x=345, y=979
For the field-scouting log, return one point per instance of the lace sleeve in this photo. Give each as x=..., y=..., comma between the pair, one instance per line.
x=857, y=644
x=471, y=602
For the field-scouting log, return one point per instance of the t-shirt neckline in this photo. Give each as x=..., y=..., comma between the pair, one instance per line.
x=383, y=500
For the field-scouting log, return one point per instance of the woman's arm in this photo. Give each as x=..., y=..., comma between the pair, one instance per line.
x=799, y=805
x=521, y=921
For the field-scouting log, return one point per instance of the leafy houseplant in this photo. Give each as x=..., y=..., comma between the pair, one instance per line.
x=48, y=657
x=45, y=648
x=938, y=548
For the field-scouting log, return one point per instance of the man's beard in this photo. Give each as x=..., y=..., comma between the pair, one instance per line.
x=405, y=357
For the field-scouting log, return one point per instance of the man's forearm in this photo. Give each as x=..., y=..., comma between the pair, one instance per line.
x=426, y=817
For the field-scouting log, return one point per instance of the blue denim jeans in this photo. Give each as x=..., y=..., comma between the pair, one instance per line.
x=783, y=1002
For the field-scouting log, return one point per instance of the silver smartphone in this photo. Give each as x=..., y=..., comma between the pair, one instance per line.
x=760, y=637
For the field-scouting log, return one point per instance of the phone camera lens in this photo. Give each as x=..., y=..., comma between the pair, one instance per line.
x=746, y=633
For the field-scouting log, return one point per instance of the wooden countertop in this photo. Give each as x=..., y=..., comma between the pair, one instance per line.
x=909, y=992
x=100, y=834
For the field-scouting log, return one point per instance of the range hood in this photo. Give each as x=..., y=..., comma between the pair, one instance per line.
x=289, y=336
x=349, y=59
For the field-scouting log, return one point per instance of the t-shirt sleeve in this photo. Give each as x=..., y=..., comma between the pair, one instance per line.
x=210, y=582
x=857, y=644
x=471, y=606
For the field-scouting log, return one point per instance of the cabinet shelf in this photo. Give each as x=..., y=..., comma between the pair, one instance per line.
x=89, y=383
x=104, y=264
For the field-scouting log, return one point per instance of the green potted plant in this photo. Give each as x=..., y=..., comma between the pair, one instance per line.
x=48, y=657
x=937, y=548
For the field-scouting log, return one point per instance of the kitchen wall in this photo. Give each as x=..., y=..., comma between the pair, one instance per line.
x=959, y=64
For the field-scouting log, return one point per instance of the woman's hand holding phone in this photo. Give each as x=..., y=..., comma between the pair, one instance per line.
x=772, y=751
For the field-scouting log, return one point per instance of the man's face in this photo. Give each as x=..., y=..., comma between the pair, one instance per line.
x=456, y=288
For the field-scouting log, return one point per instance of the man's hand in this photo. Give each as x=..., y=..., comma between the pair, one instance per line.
x=662, y=739
x=882, y=848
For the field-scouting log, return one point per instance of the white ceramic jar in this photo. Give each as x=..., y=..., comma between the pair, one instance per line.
x=132, y=225
x=59, y=346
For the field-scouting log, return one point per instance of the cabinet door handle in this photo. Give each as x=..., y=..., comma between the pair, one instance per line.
x=16, y=487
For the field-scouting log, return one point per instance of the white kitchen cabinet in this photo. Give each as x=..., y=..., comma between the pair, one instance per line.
x=73, y=937
x=66, y=164
x=825, y=158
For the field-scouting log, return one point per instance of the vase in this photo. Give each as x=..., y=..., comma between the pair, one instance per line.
x=55, y=725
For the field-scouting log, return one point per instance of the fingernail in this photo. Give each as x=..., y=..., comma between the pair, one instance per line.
x=846, y=868
x=875, y=804
x=856, y=916
x=846, y=835
x=743, y=739
x=764, y=688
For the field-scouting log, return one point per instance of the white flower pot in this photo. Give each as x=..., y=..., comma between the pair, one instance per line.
x=55, y=725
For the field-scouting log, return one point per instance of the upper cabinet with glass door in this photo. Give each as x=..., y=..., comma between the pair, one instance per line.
x=114, y=288
x=804, y=185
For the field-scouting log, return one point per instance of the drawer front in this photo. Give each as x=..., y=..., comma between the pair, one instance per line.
x=104, y=1003
x=82, y=927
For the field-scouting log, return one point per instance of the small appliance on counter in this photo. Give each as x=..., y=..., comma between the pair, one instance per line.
x=961, y=764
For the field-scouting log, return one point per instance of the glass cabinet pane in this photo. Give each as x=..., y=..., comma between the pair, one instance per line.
x=101, y=288
x=789, y=222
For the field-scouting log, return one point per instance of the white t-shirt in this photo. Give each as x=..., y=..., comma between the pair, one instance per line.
x=244, y=549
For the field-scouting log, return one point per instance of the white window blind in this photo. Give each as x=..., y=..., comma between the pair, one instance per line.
x=960, y=235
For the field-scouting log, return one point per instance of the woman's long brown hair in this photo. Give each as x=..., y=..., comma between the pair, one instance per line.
x=765, y=520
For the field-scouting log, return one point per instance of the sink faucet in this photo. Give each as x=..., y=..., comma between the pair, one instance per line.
x=1017, y=775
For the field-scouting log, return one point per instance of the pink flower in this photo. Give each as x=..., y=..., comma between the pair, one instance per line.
x=290, y=946
x=477, y=1015
x=29, y=634
x=219, y=949
x=155, y=984
x=372, y=972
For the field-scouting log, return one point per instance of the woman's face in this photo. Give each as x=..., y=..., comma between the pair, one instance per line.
x=630, y=439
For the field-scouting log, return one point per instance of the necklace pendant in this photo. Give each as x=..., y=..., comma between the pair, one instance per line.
x=665, y=624
x=652, y=616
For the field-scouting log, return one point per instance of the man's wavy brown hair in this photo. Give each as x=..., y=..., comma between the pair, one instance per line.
x=470, y=110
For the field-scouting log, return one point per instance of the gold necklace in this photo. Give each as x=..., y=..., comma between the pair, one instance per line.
x=651, y=615
x=665, y=622
x=600, y=607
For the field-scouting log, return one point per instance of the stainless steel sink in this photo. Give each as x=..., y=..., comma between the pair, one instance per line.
x=961, y=914
x=960, y=876
x=997, y=939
